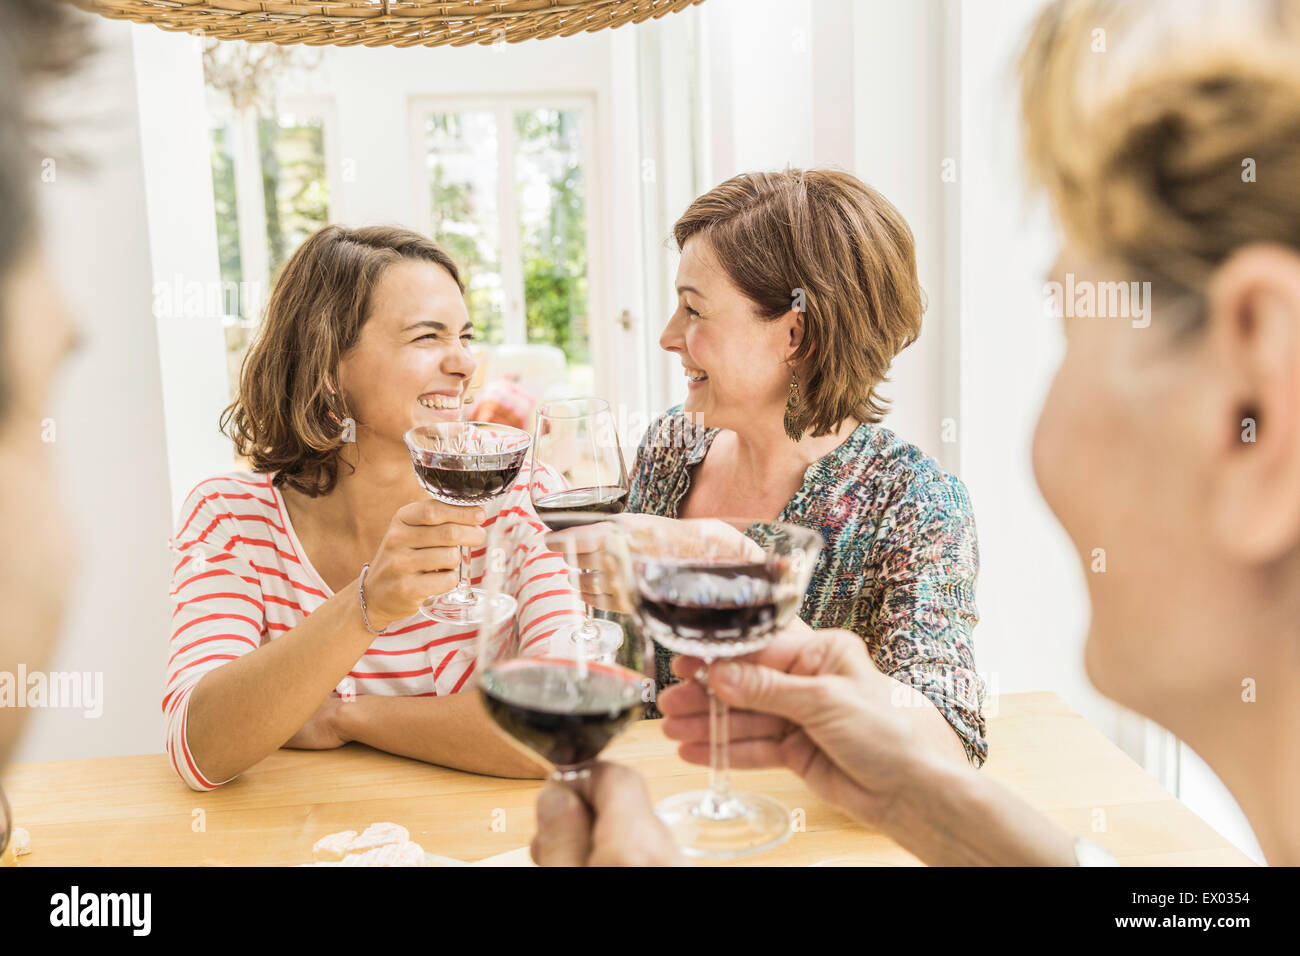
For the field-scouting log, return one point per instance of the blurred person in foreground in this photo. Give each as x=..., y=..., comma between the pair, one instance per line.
x=39, y=41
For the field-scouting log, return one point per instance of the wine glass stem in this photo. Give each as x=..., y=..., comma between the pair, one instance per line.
x=463, y=594
x=589, y=630
x=719, y=785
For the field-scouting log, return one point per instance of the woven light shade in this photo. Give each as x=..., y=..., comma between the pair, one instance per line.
x=384, y=22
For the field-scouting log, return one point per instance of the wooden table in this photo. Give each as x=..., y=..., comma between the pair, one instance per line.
x=135, y=811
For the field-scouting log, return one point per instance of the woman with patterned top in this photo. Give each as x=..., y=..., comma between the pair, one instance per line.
x=794, y=293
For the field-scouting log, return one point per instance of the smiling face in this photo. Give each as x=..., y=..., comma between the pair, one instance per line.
x=413, y=358
x=35, y=571
x=735, y=361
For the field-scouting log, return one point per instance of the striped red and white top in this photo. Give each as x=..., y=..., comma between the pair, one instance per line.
x=242, y=579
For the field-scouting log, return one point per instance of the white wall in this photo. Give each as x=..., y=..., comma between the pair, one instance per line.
x=771, y=82
x=110, y=441
x=907, y=124
x=1031, y=592
x=185, y=265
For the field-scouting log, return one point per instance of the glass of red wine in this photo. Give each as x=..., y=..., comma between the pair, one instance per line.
x=465, y=463
x=714, y=588
x=551, y=697
x=578, y=477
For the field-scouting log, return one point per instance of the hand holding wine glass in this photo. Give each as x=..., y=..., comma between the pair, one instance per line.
x=465, y=463
x=811, y=701
x=556, y=699
x=705, y=537
x=419, y=556
x=814, y=702
x=612, y=823
x=714, y=593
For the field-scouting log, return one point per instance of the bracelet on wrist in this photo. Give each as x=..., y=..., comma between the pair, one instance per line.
x=361, y=588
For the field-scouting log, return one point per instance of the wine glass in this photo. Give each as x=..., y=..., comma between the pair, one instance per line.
x=557, y=701
x=465, y=463
x=578, y=477
x=714, y=588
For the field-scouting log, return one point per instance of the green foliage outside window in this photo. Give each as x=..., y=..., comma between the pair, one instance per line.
x=555, y=249
x=227, y=208
x=293, y=184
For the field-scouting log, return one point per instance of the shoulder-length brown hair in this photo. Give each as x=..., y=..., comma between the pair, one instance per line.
x=824, y=242
x=288, y=416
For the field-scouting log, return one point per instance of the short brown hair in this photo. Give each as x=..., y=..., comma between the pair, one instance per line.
x=825, y=239
x=284, y=417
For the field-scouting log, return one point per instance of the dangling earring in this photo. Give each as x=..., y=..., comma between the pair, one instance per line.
x=792, y=427
x=330, y=411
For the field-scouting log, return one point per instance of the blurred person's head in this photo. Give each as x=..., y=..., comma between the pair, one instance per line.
x=1168, y=139
x=366, y=335
x=801, y=275
x=38, y=41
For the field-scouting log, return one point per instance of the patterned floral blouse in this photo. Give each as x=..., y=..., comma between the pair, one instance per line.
x=898, y=568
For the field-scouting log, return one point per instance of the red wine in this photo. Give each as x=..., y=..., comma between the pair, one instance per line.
x=560, y=509
x=712, y=609
x=468, y=486
x=734, y=623
x=561, y=716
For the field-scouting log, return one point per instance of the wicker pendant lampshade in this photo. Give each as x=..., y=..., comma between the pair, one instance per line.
x=384, y=22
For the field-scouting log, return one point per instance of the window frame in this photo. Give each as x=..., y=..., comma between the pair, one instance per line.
x=503, y=106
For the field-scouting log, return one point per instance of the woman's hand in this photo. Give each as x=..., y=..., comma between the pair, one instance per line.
x=602, y=575
x=321, y=732
x=811, y=701
x=614, y=825
x=597, y=570
x=816, y=704
x=419, y=557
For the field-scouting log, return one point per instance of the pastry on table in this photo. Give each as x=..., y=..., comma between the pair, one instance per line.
x=381, y=844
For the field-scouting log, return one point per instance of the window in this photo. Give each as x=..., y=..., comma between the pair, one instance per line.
x=553, y=229
x=505, y=189
x=296, y=196
x=462, y=201
x=270, y=191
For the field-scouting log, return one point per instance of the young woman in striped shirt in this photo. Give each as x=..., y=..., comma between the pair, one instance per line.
x=366, y=335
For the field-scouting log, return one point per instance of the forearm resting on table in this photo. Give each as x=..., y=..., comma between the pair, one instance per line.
x=453, y=731
x=951, y=815
x=246, y=709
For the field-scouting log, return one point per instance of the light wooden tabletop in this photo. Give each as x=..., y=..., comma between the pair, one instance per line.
x=135, y=811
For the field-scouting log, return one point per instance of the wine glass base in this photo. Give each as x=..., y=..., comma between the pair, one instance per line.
x=745, y=823
x=597, y=638
x=449, y=611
